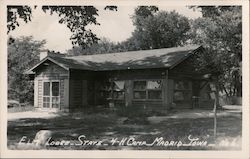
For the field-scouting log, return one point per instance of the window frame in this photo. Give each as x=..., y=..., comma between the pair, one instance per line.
x=51, y=95
x=147, y=90
x=110, y=90
x=114, y=90
x=189, y=90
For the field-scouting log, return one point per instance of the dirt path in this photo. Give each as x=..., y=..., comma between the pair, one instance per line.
x=198, y=113
x=30, y=114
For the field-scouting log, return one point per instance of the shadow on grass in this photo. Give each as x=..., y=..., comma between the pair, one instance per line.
x=64, y=126
x=105, y=127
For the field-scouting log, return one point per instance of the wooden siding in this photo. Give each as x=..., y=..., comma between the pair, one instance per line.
x=76, y=93
x=185, y=70
x=65, y=104
x=40, y=93
x=91, y=98
x=51, y=69
x=136, y=74
x=35, y=93
x=61, y=93
x=170, y=92
x=165, y=92
x=84, y=93
x=128, y=92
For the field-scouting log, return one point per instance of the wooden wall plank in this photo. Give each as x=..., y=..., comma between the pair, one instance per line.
x=40, y=93
x=165, y=90
x=36, y=93
x=170, y=91
x=128, y=92
x=65, y=105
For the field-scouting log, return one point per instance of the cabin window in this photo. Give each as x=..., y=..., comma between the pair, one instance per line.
x=105, y=90
x=118, y=89
x=55, y=94
x=182, y=91
x=140, y=89
x=113, y=90
x=147, y=89
x=51, y=94
x=46, y=94
x=154, y=89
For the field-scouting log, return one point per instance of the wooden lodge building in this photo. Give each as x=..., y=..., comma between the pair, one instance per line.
x=157, y=79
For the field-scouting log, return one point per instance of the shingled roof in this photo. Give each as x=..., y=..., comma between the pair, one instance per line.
x=156, y=58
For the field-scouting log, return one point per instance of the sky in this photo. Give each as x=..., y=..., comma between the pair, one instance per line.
x=116, y=26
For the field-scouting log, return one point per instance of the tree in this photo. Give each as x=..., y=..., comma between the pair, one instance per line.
x=103, y=46
x=75, y=17
x=159, y=29
x=220, y=32
x=214, y=11
x=23, y=52
x=143, y=12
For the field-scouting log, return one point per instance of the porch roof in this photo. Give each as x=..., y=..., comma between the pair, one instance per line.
x=156, y=58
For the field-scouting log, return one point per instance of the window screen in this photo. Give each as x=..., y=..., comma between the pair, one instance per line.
x=46, y=88
x=55, y=88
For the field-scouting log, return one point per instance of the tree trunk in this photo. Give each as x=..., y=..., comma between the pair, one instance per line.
x=215, y=118
x=216, y=105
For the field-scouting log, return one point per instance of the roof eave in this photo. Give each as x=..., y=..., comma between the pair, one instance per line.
x=30, y=71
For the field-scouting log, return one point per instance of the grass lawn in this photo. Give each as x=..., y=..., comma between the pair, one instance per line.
x=107, y=126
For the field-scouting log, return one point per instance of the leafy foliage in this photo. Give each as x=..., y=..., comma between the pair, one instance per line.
x=220, y=32
x=159, y=30
x=112, y=8
x=103, y=46
x=214, y=11
x=23, y=52
x=154, y=29
x=15, y=13
x=76, y=18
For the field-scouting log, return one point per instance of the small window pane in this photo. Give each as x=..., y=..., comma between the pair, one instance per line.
x=55, y=105
x=46, y=89
x=46, y=99
x=55, y=100
x=139, y=85
x=139, y=94
x=119, y=85
x=154, y=95
x=118, y=94
x=55, y=88
x=154, y=84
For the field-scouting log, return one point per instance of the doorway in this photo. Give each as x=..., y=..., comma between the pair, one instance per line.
x=51, y=97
